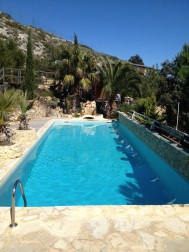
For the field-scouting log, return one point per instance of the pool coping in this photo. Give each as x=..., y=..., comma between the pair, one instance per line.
x=90, y=226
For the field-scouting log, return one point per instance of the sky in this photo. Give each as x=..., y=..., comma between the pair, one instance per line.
x=154, y=29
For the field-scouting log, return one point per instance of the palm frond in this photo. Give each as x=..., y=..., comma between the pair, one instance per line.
x=69, y=80
x=85, y=83
x=94, y=78
x=79, y=72
x=8, y=100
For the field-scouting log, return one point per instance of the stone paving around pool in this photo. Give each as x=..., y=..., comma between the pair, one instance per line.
x=94, y=228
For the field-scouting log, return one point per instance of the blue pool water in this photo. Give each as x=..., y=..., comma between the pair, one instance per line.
x=94, y=163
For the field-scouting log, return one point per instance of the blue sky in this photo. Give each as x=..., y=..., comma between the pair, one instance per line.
x=154, y=29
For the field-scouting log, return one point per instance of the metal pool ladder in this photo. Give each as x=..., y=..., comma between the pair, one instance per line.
x=13, y=223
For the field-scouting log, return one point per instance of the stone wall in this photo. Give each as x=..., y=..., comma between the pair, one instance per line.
x=175, y=156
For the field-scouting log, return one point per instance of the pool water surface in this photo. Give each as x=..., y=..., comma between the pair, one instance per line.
x=94, y=163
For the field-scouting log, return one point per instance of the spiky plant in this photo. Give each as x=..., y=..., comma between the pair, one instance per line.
x=68, y=80
x=8, y=100
x=24, y=105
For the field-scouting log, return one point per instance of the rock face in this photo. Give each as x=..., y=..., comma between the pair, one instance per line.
x=38, y=110
x=88, y=108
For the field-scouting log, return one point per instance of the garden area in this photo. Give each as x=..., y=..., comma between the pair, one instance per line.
x=83, y=83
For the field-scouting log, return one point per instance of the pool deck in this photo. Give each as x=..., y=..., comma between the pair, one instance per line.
x=95, y=228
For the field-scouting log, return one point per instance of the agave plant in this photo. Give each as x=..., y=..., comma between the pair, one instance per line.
x=8, y=100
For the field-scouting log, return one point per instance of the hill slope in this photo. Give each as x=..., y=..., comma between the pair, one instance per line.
x=11, y=29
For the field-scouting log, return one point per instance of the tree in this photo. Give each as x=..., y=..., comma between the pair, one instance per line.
x=174, y=88
x=11, y=55
x=136, y=59
x=29, y=85
x=116, y=78
x=169, y=92
x=182, y=71
x=77, y=71
x=150, y=83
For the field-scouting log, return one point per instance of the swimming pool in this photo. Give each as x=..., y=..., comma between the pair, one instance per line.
x=94, y=163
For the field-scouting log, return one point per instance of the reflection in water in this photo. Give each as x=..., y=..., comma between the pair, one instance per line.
x=89, y=130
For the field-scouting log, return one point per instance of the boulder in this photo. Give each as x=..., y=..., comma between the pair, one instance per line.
x=88, y=108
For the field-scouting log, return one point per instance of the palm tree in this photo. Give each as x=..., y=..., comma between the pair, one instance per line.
x=78, y=70
x=8, y=100
x=132, y=82
x=116, y=78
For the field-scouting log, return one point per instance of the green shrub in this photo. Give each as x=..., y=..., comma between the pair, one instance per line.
x=146, y=106
x=125, y=108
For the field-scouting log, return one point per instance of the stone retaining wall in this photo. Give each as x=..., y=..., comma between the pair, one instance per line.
x=175, y=156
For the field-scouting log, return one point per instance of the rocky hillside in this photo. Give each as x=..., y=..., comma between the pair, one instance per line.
x=11, y=29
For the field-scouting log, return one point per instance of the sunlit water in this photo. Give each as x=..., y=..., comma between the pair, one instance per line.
x=94, y=163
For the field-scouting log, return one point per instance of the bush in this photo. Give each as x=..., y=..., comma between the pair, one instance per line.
x=146, y=106
x=125, y=108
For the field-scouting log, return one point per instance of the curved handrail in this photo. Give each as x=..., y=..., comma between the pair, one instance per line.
x=13, y=223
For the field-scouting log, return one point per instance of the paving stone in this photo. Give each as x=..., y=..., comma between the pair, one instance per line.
x=118, y=243
x=30, y=217
x=3, y=227
x=43, y=216
x=82, y=245
x=99, y=227
x=131, y=238
x=41, y=236
x=140, y=222
x=29, y=247
x=148, y=239
x=64, y=228
x=61, y=244
x=177, y=245
x=123, y=225
x=175, y=225
x=185, y=217
x=160, y=234
x=2, y=243
x=169, y=210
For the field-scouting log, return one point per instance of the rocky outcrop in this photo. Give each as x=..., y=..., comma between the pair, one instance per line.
x=88, y=108
x=43, y=109
x=38, y=110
